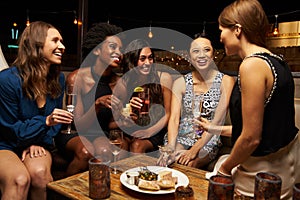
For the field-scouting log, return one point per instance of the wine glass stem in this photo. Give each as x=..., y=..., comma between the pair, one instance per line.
x=115, y=167
x=69, y=128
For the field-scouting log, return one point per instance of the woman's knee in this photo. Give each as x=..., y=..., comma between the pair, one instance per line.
x=17, y=184
x=80, y=144
x=83, y=154
x=137, y=146
x=101, y=146
x=87, y=146
x=22, y=180
x=41, y=176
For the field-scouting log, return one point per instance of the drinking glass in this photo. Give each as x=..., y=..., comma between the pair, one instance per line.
x=184, y=193
x=115, y=140
x=220, y=188
x=142, y=117
x=267, y=186
x=146, y=101
x=70, y=103
x=165, y=153
x=99, y=178
x=197, y=109
x=143, y=94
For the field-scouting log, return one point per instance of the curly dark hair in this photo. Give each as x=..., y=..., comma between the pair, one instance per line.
x=97, y=34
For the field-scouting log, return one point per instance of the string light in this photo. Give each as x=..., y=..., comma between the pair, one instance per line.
x=276, y=30
x=75, y=17
x=27, y=18
x=75, y=21
x=150, y=34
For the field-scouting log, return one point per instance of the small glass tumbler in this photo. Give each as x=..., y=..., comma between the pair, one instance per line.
x=99, y=178
x=267, y=186
x=184, y=193
x=220, y=188
x=296, y=191
x=145, y=96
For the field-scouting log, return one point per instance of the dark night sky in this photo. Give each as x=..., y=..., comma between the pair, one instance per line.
x=186, y=17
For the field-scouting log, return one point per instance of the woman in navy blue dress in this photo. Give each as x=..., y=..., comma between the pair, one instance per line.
x=31, y=114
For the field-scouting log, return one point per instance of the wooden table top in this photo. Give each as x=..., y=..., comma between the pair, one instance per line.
x=77, y=186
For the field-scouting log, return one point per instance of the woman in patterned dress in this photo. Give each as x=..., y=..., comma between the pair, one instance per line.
x=215, y=88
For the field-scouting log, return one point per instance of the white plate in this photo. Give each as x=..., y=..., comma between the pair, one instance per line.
x=183, y=180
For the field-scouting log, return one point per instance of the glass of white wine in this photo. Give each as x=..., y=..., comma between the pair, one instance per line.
x=197, y=109
x=70, y=104
x=115, y=140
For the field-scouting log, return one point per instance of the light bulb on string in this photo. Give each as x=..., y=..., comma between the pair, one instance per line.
x=75, y=21
x=27, y=18
x=150, y=34
x=75, y=17
x=276, y=30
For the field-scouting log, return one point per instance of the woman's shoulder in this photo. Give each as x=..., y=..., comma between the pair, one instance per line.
x=9, y=80
x=228, y=81
x=165, y=76
x=179, y=82
x=83, y=76
x=229, y=78
x=83, y=71
x=9, y=75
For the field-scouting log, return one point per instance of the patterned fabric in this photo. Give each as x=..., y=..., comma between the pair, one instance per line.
x=186, y=135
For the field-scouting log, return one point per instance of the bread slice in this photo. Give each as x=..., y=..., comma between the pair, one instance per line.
x=165, y=175
x=166, y=184
x=166, y=180
x=148, y=185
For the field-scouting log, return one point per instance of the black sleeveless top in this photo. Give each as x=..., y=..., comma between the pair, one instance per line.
x=100, y=89
x=279, y=118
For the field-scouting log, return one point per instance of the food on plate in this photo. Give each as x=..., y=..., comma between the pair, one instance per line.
x=166, y=179
x=165, y=175
x=132, y=178
x=166, y=184
x=147, y=175
x=148, y=185
x=161, y=181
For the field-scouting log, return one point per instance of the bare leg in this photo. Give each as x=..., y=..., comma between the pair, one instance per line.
x=14, y=177
x=83, y=150
x=39, y=169
x=102, y=148
x=141, y=146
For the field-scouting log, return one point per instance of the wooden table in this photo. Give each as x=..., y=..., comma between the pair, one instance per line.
x=77, y=186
